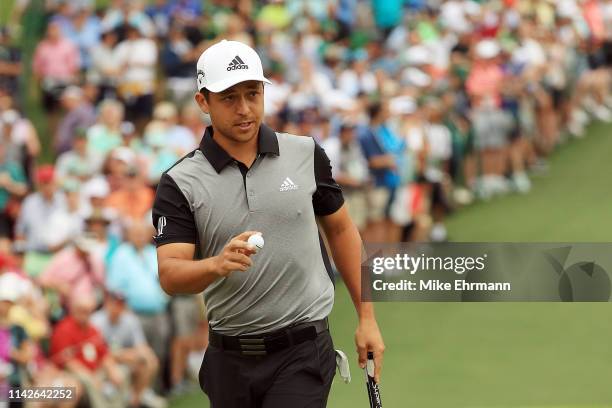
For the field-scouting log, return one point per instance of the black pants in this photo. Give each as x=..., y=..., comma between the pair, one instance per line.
x=298, y=377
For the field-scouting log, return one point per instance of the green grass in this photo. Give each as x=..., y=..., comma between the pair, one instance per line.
x=570, y=203
x=501, y=355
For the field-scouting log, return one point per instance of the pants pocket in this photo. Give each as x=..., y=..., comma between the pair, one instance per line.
x=326, y=355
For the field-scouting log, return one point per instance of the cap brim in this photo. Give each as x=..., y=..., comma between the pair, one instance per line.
x=221, y=86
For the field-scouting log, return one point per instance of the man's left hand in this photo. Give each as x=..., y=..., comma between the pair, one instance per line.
x=368, y=338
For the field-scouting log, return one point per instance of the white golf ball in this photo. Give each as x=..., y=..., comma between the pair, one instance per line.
x=256, y=240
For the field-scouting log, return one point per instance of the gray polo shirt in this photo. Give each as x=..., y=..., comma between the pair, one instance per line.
x=207, y=198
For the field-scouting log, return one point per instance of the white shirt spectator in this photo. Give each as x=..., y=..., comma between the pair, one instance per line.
x=139, y=58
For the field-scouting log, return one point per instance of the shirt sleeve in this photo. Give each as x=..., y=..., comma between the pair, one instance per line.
x=327, y=199
x=172, y=216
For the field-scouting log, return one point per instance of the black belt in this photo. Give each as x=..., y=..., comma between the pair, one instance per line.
x=266, y=343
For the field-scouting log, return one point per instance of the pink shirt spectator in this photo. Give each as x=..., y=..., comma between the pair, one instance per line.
x=71, y=274
x=56, y=59
x=485, y=79
x=594, y=17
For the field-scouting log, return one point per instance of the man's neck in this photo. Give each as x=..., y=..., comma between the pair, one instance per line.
x=243, y=152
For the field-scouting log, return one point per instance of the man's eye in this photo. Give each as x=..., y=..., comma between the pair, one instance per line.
x=254, y=93
x=228, y=98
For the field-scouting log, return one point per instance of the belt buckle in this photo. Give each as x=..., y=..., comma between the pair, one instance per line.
x=253, y=346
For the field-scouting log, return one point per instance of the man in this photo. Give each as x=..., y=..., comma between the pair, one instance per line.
x=140, y=286
x=12, y=184
x=80, y=114
x=38, y=208
x=75, y=271
x=269, y=341
x=123, y=333
x=78, y=346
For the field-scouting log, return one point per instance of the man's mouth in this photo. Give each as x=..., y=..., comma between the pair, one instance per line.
x=245, y=125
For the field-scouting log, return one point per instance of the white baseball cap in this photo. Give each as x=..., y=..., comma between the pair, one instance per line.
x=227, y=63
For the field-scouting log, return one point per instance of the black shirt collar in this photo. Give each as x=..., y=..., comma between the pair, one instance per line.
x=219, y=158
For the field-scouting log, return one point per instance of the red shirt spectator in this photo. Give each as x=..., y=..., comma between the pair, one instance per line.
x=72, y=341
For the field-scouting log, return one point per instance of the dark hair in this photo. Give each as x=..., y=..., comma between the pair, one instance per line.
x=205, y=92
x=374, y=109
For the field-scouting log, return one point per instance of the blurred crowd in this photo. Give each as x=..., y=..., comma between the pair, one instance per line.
x=421, y=105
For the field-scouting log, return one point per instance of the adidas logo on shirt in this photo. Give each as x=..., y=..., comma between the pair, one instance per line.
x=237, y=63
x=288, y=185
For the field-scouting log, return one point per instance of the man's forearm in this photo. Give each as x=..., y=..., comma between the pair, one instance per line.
x=180, y=276
x=346, y=249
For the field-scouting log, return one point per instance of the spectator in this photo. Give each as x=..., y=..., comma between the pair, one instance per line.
x=137, y=56
x=78, y=346
x=178, y=57
x=381, y=148
x=15, y=349
x=10, y=64
x=141, y=286
x=134, y=198
x=75, y=271
x=350, y=170
x=105, y=135
x=12, y=184
x=83, y=29
x=38, y=207
x=80, y=114
x=105, y=70
x=191, y=118
x=78, y=162
x=56, y=65
x=178, y=138
x=123, y=333
x=21, y=139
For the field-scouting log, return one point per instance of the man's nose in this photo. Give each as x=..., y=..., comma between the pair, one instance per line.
x=242, y=107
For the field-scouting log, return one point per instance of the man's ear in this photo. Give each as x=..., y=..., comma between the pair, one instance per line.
x=202, y=102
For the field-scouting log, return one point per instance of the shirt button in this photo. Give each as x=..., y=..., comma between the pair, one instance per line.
x=248, y=174
x=251, y=193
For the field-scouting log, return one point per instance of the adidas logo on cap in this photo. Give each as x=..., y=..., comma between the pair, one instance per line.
x=237, y=63
x=288, y=185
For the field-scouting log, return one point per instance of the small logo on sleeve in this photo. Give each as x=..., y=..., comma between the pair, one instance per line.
x=161, y=224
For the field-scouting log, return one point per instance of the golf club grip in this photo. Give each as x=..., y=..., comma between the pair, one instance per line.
x=373, y=391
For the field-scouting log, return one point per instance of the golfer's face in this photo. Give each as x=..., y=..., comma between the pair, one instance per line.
x=237, y=112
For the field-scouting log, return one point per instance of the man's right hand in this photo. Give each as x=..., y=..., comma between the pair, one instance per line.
x=235, y=256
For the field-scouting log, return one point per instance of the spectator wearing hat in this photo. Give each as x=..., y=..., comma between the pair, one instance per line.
x=78, y=347
x=15, y=350
x=80, y=114
x=141, y=286
x=133, y=199
x=78, y=162
x=12, y=186
x=98, y=226
x=123, y=333
x=38, y=207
